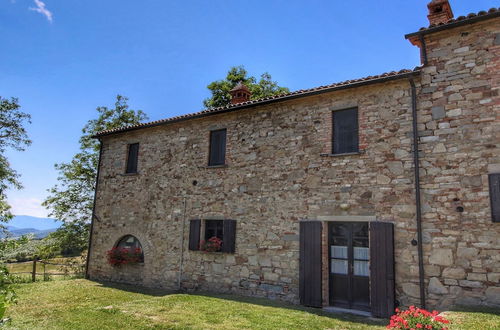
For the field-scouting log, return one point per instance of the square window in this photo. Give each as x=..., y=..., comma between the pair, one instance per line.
x=345, y=131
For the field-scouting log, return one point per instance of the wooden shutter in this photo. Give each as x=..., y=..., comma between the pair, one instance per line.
x=133, y=155
x=310, y=289
x=345, y=131
x=217, y=147
x=194, y=235
x=382, y=269
x=494, y=183
x=229, y=239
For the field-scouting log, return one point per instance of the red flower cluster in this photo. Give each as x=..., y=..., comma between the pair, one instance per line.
x=214, y=244
x=417, y=318
x=122, y=256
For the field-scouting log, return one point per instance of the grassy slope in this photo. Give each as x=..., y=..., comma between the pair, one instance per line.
x=81, y=304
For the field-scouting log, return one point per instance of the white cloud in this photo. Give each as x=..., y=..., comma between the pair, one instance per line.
x=28, y=206
x=40, y=8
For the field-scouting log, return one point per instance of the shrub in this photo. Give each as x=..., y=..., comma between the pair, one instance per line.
x=122, y=256
x=417, y=318
x=7, y=294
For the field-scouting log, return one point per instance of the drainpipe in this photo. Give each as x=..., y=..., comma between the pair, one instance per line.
x=93, y=211
x=418, y=202
x=423, y=50
x=181, y=264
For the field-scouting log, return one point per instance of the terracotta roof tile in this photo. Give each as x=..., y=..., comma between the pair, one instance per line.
x=298, y=93
x=471, y=16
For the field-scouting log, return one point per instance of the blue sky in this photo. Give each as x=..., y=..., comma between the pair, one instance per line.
x=63, y=58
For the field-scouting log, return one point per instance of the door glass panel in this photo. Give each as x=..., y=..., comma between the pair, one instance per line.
x=339, y=266
x=361, y=253
x=361, y=268
x=341, y=241
x=360, y=229
x=339, y=252
x=340, y=230
x=361, y=242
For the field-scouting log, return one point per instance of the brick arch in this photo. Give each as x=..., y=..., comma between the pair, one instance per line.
x=147, y=249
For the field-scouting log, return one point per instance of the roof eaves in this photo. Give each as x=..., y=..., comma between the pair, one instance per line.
x=456, y=22
x=273, y=99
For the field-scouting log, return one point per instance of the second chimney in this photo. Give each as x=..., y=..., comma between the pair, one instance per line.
x=240, y=93
x=439, y=12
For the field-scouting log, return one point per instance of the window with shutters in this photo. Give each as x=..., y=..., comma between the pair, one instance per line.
x=223, y=230
x=494, y=183
x=132, y=157
x=345, y=131
x=217, y=150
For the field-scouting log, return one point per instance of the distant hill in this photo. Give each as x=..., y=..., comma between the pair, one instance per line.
x=18, y=232
x=26, y=221
x=25, y=224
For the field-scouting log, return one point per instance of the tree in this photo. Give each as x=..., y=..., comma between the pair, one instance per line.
x=71, y=201
x=12, y=135
x=263, y=88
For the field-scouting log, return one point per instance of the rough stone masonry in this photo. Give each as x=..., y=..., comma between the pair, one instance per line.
x=280, y=170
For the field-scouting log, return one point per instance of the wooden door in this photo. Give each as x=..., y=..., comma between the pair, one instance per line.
x=349, y=269
x=310, y=289
x=382, y=268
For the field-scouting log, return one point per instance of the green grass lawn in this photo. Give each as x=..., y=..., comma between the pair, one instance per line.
x=82, y=304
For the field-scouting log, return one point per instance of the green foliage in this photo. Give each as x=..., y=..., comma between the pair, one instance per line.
x=69, y=240
x=12, y=136
x=71, y=200
x=7, y=294
x=24, y=248
x=261, y=88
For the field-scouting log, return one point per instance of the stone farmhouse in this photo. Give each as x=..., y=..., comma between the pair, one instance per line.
x=319, y=196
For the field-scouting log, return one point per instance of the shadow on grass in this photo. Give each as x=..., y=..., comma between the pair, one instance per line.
x=495, y=311
x=156, y=292
x=247, y=300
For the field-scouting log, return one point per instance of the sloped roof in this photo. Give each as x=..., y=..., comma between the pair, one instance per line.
x=460, y=20
x=388, y=76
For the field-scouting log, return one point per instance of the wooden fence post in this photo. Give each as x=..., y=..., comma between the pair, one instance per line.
x=33, y=275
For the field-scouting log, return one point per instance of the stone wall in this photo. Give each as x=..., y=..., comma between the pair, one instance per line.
x=459, y=121
x=279, y=171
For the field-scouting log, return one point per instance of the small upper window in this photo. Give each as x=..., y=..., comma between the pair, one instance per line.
x=345, y=131
x=217, y=152
x=133, y=154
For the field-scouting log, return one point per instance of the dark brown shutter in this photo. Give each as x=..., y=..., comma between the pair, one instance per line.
x=310, y=289
x=494, y=182
x=133, y=155
x=194, y=235
x=382, y=269
x=217, y=147
x=229, y=239
x=345, y=131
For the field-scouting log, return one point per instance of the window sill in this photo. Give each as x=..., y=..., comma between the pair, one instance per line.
x=343, y=154
x=130, y=174
x=215, y=166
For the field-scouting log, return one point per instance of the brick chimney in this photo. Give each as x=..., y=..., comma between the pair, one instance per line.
x=240, y=93
x=439, y=12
